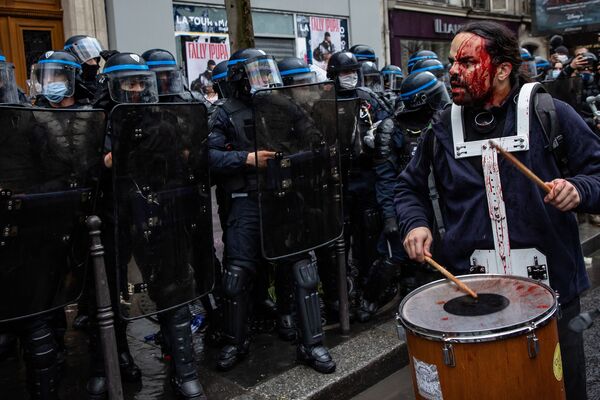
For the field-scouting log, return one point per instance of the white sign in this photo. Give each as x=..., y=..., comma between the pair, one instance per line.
x=199, y=52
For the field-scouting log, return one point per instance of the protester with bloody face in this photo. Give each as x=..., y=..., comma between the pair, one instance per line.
x=486, y=88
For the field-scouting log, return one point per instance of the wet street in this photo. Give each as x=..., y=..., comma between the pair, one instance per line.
x=270, y=357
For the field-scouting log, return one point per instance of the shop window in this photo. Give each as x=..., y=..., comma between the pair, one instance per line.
x=479, y=5
x=499, y=5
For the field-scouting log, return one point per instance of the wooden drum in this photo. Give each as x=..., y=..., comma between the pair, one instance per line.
x=504, y=345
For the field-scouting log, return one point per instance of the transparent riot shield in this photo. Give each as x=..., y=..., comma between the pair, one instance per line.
x=49, y=165
x=568, y=90
x=162, y=209
x=300, y=191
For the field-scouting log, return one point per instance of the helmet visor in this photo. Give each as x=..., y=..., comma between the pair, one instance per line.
x=169, y=81
x=8, y=86
x=133, y=87
x=392, y=81
x=85, y=49
x=53, y=80
x=528, y=68
x=304, y=78
x=433, y=94
x=373, y=82
x=262, y=73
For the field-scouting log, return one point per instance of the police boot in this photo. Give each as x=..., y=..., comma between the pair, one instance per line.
x=236, y=288
x=311, y=350
x=379, y=289
x=327, y=265
x=40, y=358
x=175, y=326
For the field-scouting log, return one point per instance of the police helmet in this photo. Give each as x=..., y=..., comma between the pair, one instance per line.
x=542, y=66
x=528, y=67
x=255, y=67
x=371, y=76
x=590, y=59
x=392, y=77
x=294, y=71
x=53, y=76
x=344, y=63
x=168, y=74
x=130, y=79
x=363, y=52
x=429, y=64
x=8, y=85
x=420, y=55
x=423, y=89
x=84, y=48
x=219, y=78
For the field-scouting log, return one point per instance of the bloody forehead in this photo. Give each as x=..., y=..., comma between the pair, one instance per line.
x=472, y=46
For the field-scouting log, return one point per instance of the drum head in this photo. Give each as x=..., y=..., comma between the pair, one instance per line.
x=506, y=305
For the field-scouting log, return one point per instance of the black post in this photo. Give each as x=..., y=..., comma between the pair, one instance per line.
x=340, y=253
x=105, y=313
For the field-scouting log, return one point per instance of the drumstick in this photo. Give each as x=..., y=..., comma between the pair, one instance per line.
x=448, y=275
x=526, y=171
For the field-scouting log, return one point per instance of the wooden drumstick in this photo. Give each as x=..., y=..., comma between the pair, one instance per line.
x=526, y=171
x=448, y=275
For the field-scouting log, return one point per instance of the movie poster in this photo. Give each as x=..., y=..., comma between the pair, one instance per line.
x=319, y=37
x=564, y=16
x=203, y=49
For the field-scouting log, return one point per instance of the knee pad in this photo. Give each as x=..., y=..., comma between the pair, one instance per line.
x=40, y=348
x=236, y=280
x=306, y=274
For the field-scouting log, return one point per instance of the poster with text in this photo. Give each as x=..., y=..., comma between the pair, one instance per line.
x=564, y=16
x=199, y=50
x=323, y=37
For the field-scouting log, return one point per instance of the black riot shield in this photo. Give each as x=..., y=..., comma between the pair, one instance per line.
x=163, y=221
x=568, y=90
x=300, y=190
x=49, y=165
x=348, y=111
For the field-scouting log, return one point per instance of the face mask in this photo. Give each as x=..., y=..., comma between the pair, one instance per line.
x=562, y=58
x=56, y=91
x=348, y=81
x=587, y=77
x=555, y=73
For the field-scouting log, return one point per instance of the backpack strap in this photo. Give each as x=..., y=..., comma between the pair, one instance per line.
x=545, y=111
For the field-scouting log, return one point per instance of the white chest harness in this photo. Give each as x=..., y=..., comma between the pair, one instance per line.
x=502, y=260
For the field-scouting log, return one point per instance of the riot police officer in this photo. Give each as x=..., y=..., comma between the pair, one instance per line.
x=395, y=142
x=87, y=50
x=53, y=80
x=542, y=67
x=219, y=78
x=392, y=77
x=372, y=78
x=8, y=87
x=233, y=156
x=432, y=65
x=528, y=67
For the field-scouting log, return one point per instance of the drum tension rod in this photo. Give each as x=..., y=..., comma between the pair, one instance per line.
x=533, y=345
x=448, y=353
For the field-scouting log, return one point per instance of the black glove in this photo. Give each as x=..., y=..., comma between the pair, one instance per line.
x=106, y=54
x=390, y=227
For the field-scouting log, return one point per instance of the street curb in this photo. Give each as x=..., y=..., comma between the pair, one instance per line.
x=590, y=238
x=362, y=361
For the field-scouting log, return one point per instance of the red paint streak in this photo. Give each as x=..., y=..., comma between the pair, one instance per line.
x=440, y=302
x=520, y=287
x=543, y=306
x=473, y=72
x=532, y=289
x=444, y=318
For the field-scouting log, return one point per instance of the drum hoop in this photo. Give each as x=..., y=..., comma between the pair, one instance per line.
x=484, y=336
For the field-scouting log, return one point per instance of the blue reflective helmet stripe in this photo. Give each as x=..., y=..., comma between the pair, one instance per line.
x=392, y=72
x=67, y=47
x=220, y=76
x=412, y=60
x=63, y=62
x=162, y=62
x=295, y=71
x=364, y=56
x=543, y=64
x=125, y=67
x=233, y=62
x=525, y=55
x=2, y=58
x=430, y=68
x=417, y=90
